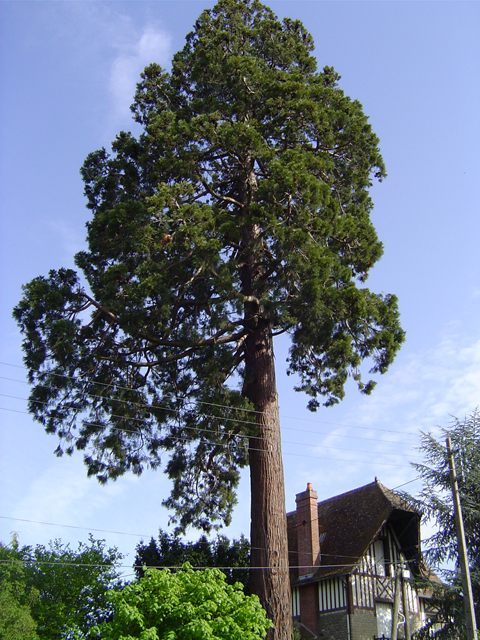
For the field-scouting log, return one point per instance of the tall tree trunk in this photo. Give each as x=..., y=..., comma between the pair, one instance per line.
x=268, y=516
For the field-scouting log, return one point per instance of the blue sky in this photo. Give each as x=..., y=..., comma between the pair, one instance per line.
x=68, y=74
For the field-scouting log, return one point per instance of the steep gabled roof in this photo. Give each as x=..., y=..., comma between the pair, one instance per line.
x=350, y=522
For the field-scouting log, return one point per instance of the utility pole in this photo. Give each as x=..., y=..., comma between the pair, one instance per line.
x=408, y=633
x=462, y=551
x=396, y=601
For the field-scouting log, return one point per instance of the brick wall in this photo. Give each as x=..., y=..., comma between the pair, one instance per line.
x=363, y=625
x=333, y=626
x=309, y=606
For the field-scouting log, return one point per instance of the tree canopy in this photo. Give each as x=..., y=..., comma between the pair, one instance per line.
x=16, y=599
x=435, y=502
x=232, y=558
x=16, y=621
x=184, y=605
x=62, y=591
x=249, y=161
x=240, y=212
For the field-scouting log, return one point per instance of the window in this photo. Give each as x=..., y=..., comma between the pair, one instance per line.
x=295, y=602
x=331, y=594
x=379, y=558
x=384, y=619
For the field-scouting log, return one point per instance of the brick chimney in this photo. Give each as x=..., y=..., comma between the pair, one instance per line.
x=307, y=531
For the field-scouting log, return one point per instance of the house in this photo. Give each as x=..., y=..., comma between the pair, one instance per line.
x=351, y=559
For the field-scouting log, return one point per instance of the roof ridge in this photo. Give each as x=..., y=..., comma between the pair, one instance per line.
x=291, y=513
x=396, y=499
x=351, y=491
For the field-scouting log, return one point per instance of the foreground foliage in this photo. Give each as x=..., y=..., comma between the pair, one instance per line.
x=184, y=605
x=233, y=558
x=63, y=590
x=436, y=504
x=16, y=622
x=16, y=599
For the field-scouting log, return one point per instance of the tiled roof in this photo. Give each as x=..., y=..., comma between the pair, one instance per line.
x=350, y=522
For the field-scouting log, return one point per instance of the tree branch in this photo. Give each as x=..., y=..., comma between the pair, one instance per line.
x=218, y=196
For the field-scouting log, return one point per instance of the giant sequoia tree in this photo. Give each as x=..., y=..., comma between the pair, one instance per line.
x=240, y=212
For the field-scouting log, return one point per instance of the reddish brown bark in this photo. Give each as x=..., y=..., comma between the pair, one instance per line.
x=269, y=577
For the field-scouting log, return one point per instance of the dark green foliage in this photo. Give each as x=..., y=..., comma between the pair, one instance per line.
x=436, y=504
x=65, y=590
x=185, y=605
x=243, y=204
x=233, y=558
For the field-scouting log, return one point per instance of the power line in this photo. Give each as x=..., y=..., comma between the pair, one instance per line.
x=71, y=526
x=245, y=410
x=206, y=542
x=286, y=453
x=196, y=429
x=405, y=483
x=369, y=462
x=138, y=404
x=121, y=387
x=177, y=567
x=223, y=418
x=349, y=437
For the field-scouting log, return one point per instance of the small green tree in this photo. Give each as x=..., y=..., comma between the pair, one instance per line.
x=184, y=605
x=436, y=504
x=171, y=551
x=16, y=620
x=72, y=586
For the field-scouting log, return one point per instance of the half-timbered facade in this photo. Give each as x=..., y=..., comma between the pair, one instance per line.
x=352, y=558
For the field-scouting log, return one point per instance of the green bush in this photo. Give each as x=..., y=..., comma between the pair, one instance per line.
x=186, y=605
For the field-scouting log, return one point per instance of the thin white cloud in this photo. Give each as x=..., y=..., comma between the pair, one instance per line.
x=428, y=387
x=153, y=45
x=421, y=392
x=71, y=237
x=59, y=494
x=114, y=45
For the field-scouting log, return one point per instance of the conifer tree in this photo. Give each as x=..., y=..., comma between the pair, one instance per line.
x=233, y=558
x=435, y=503
x=239, y=213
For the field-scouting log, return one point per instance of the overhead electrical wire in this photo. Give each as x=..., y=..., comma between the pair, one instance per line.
x=196, y=542
x=196, y=429
x=405, y=483
x=230, y=408
x=286, y=453
x=206, y=430
x=128, y=566
x=223, y=418
x=212, y=431
x=207, y=542
x=336, y=435
x=71, y=526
